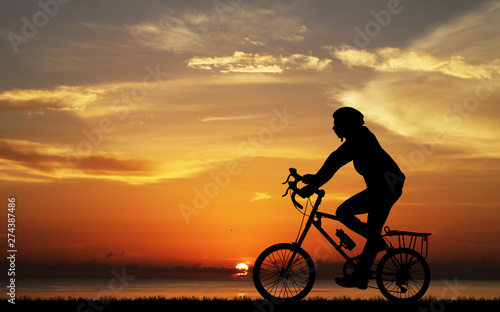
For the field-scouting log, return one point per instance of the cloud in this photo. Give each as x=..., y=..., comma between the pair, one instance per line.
x=96, y=269
x=238, y=62
x=261, y=196
x=352, y=57
x=304, y=62
x=228, y=118
x=187, y=30
x=44, y=160
x=474, y=34
x=296, y=37
x=445, y=81
x=59, y=98
x=258, y=63
x=252, y=42
x=110, y=254
x=473, y=245
x=293, y=38
x=415, y=106
x=175, y=34
x=390, y=59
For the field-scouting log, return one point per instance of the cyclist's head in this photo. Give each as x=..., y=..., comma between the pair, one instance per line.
x=347, y=120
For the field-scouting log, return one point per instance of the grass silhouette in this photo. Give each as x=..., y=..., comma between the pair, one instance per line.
x=243, y=304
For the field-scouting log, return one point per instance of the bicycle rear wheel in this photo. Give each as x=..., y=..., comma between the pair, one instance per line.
x=278, y=279
x=403, y=275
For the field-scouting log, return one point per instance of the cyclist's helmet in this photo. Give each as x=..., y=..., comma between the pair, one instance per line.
x=349, y=115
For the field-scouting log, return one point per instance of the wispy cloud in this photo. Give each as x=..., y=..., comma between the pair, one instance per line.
x=261, y=196
x=297, y=36
x=174, y=33
x=110, y=254
x=189, y=30
x=228, y=118
x=252, y=42
x=97, y=269
x=396, y=60
x=43, y=160
x=238, y=62
x=422, y=88
x=474, y=245
x=474, y=34
x=60, y=98
x=259, y=63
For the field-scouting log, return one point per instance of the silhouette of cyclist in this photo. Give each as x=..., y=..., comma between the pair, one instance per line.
x=384, y=184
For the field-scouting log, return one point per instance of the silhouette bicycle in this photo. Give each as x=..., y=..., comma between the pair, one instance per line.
x=286, y=272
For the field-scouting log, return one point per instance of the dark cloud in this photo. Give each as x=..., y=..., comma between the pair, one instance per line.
x=94, y=269
x=110, y=254
x=37, y=156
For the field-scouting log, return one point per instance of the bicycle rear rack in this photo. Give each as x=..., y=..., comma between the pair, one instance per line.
x=411, y=240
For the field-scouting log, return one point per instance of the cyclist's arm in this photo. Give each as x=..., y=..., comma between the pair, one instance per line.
x=333, y=163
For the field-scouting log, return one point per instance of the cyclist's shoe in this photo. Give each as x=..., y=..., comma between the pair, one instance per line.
x=351, y=281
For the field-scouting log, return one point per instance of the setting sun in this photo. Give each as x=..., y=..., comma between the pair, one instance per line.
x=243, y=269
x=242, y=266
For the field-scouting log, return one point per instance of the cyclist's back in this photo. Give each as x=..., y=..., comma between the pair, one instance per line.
x=370, y=160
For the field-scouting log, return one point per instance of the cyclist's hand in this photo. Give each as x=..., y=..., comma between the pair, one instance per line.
x=308, y=178
x=306, y=191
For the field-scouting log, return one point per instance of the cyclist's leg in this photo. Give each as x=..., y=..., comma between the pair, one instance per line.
x=346, y=212
x=377, y=204
x=357, y=204
x=380, y=208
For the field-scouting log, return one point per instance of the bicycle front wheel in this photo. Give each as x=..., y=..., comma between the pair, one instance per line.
x=284, y=272
x=403, y=275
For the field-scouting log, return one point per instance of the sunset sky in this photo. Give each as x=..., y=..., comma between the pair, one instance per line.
x=159, y=132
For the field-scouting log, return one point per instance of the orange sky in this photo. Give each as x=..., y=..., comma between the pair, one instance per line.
x=112, y=126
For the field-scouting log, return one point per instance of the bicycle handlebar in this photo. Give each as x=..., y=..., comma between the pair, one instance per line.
x=292, y=185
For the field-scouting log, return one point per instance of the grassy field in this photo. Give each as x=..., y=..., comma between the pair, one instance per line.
x=185, y=304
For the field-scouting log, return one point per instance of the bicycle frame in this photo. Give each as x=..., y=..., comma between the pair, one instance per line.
x=402, y=274
x=317, y=224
